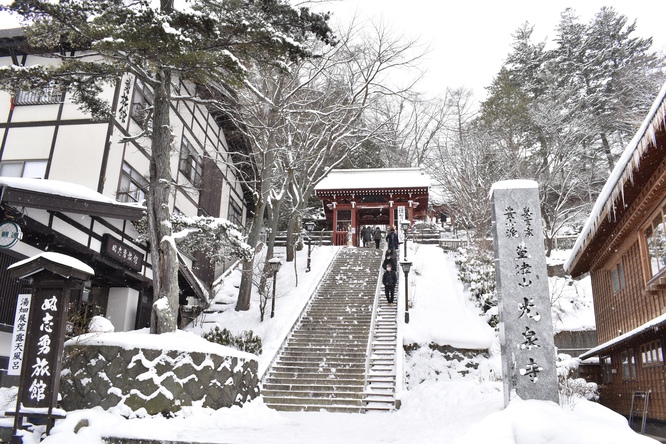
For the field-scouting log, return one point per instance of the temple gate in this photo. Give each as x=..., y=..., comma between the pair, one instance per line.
x=372, y=197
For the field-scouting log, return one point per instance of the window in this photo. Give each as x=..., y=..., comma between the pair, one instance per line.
x=191, y=164
x=45, y=96
x=606, y=370
x=656, y=244
x=628, y=365
x=617, y=276
x=32, y=169
x=651, y=354
x=235, y=213
x=132, y=186
x=142, y=101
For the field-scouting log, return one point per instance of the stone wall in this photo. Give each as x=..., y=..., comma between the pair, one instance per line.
x=159, y=381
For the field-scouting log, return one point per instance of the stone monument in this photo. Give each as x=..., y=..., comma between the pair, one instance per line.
x=526, y=329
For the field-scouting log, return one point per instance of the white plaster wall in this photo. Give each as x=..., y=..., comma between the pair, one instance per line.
x=71, y=232
x=28, y=143
x=5, y=97
x=121, y=308
x=5, y=343
x=78, y=154
x=71, y=110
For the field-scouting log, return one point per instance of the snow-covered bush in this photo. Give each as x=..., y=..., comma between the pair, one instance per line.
x=476, y=269
x=573, y=389
x=247, y=341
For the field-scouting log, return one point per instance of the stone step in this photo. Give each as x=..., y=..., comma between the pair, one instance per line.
x=314, y=408
x=314, y=387
x=285, y=395
x=318, y=349
x=320, y=401
x=323, y=362
x=320, y=381
x=283, y=371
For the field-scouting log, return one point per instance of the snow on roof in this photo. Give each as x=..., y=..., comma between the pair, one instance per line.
x=59, y=188
x=622, y=173
x=654, y=323
x=374, y=178
x=58, y=258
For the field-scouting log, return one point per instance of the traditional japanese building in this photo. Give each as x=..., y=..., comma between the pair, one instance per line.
x=75, y=185
x=623, y=248
x=372, y=197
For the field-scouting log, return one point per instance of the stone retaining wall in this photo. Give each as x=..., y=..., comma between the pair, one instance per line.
x=159, y=381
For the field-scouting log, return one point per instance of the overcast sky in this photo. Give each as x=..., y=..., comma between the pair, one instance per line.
x=469, y=39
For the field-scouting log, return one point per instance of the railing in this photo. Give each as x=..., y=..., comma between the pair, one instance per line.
x=453, y=244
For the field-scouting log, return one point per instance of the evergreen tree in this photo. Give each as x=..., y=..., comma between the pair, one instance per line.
x=206, y=42
x=571, y=108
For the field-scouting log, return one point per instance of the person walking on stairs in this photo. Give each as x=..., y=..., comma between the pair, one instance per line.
x=390, y=259
x=392, y=240
x=389, y=280
x=377, y=236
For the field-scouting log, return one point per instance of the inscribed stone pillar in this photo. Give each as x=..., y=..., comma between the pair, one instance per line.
x=526, y=329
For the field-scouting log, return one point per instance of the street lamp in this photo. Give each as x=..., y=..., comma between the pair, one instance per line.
x=309, y=225
x=405, y=226
x=275, y=265
x=406, y=265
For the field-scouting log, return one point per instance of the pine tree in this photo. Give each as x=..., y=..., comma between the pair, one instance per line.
x=206, y=42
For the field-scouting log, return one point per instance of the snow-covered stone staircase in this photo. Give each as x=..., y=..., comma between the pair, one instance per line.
x=381, y=374
x=324, y=362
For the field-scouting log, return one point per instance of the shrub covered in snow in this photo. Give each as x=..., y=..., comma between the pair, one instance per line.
x=573, y=389
x=476, y=269
x=247, y=341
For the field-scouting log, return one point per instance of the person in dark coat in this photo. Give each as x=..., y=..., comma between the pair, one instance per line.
x=367, y=236
x=390, y=259
x=377, y=236
x=392, y=240
x=389, y=280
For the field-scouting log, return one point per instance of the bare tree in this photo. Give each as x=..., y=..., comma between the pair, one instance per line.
x=306, y=118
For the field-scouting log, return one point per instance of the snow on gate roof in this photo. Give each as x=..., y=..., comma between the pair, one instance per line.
x=622, y=173
x=375, y=178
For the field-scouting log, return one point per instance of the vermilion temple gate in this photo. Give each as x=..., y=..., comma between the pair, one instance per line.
x=372, y=197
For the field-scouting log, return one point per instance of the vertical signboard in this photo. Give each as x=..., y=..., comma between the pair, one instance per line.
x=19, y=336
x=526, y=330
x=45, y=339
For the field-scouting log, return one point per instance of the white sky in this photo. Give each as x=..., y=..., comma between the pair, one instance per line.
x=470, y=39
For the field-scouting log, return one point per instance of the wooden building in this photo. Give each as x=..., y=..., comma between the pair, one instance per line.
x=372, y=197
x=623, y=247
x=75, y=185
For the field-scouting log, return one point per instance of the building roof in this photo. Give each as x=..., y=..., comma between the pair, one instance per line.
x=376, y=178
x=653, y=324
x=607, y=206
x=64, y=196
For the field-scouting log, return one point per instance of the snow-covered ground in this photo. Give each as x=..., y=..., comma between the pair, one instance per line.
x=443, y=401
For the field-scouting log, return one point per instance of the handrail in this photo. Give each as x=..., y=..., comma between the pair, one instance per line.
x=371, y=336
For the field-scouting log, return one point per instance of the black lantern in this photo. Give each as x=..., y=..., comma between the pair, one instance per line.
x=309, y=225
x=405, y=226
x=275, y=265
x=406, y=266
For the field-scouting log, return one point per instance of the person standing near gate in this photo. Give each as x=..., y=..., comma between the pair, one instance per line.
x=377, y=236
x=367, y=236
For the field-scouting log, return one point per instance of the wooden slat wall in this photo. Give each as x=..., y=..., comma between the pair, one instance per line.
x=620, y=313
